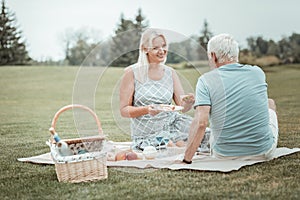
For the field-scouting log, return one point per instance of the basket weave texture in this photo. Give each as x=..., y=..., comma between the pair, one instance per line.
x=84, y=167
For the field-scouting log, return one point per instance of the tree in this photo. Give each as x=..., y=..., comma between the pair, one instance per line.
x=186, y=50
x=205, y=36
x=273, y=48
x=79, y=52
x=258, y=46
x=295, y=46
x=287, y=49
x=140, y=23
x=12, y=46
x=177, y=57
x=262, y=46
x=66, y=40
x=251, y=43
x=79, y=44
x=125, y=43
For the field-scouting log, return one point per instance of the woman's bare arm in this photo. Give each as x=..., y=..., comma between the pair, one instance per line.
x=126, y=97
x=178, y=90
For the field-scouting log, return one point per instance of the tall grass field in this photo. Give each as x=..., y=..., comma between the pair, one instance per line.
x=30, y=96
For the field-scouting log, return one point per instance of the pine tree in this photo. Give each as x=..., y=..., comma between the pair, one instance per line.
x=206, y=35
x=125, y=43
x=140, y=23
x=12, y=49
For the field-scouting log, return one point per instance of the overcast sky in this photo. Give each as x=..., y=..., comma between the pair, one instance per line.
x=42, y=21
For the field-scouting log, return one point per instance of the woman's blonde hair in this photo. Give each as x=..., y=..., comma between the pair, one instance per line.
x=146, y=42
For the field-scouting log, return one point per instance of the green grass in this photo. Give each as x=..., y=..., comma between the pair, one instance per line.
x=30, y=96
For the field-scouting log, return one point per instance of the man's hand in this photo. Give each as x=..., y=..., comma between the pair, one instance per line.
x=182, y=162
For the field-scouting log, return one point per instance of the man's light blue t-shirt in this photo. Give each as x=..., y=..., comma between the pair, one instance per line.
x=239, y=116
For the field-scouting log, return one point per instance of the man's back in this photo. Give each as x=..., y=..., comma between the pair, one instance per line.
x=239, y=115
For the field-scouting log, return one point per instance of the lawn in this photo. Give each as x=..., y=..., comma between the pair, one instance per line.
x=30, y=96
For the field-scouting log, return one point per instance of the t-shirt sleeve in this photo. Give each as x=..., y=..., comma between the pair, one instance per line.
x=202, y=97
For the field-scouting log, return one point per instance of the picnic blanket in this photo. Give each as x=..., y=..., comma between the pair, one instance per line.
x=203, y=162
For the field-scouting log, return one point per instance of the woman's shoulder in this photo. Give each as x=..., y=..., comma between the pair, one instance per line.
x=168, y=68
x=130, y=68
x=129, y=72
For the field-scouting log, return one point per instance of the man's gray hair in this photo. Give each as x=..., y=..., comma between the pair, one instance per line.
x=225, y=48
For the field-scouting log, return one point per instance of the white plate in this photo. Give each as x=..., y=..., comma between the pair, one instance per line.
x=167, y=108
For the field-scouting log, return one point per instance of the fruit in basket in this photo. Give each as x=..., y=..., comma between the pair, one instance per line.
x=120, y=156
x=131, y=156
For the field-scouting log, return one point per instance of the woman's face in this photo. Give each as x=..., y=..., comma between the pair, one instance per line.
x=158, y=51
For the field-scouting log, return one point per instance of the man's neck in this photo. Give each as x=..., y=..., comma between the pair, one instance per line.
x=224, y=63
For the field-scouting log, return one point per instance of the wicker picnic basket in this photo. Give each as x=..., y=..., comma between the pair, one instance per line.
x=80, y=167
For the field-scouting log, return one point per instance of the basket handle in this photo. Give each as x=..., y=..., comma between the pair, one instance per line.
x=69, y=107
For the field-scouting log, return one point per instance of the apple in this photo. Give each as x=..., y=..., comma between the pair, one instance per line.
x=180, y=143
x=131, y=156
x=170, y=144
x=121, y=156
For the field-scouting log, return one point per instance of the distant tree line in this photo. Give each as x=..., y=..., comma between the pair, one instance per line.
x=122, y=48
x=287, y=50
x=85, y=47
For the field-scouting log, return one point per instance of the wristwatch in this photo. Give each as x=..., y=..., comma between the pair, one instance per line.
x=187, y=162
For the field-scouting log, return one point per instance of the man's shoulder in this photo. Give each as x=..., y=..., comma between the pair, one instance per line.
x=209, y=74
x=256, y=71
x=253, y=67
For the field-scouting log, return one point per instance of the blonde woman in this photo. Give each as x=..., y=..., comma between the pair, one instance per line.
x=150, y=82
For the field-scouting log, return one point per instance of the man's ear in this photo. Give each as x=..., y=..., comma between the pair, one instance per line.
x=214, y=57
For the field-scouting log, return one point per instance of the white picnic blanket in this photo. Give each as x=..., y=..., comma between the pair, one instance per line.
x=203, y=162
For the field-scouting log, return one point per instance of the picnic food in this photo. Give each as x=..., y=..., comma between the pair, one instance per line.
x=62, y=146
x=149, y=152
x=170, y=144
x=120, y=156
x=125, y=155
x=110, y=156
x=168, y=107
x=131, y=156
x=180, y=143
x=165, y=107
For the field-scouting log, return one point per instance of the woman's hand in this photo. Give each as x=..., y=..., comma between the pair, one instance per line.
x=152, y=110
x=187, y=101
